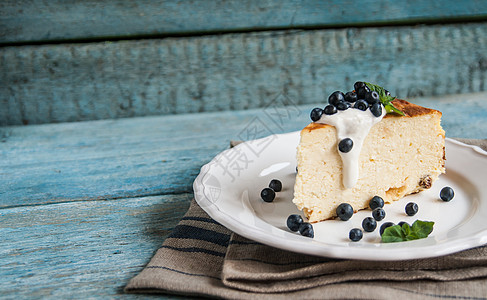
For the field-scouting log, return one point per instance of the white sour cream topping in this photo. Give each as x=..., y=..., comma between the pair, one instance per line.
x=354, y=124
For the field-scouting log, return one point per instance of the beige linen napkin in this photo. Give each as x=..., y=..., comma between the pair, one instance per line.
x=201, y=257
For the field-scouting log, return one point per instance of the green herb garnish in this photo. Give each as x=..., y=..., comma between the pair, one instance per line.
x=397, y=233
x=384, y=98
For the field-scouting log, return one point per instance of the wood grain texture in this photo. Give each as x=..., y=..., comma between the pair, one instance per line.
x=77, y=82
x=146, y=156
x=28, y=20
x=82, y=250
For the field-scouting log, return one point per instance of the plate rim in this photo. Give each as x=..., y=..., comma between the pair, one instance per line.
x=257, y=234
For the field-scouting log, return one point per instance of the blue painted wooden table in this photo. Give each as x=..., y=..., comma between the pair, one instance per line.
x=85, y=205
x=126, y=100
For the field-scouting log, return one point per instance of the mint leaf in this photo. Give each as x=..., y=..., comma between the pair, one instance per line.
x=419, y=230
x=393, y=234
x=409, y=233
x=385, y=99
x=422, y=228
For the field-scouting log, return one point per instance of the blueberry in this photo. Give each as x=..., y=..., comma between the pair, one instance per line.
x=361, y=104
x=362, y=91
x=336, y=97
x=384, y=226
x=372, y=97
x=276, y=185
x=343, y=105
x=306, y=229
x=375, y=202
x=411, y=208
x=293, y=222
x=315, y=114
x=402, y=223
x=387, y=92
x=355, y=234
x=357, y=85
x=268, y=195
x=369, y=224
x=351, y=97
x=330, y=109
x=447, y=193
x=376, y=109
x=379, y=214
x=344, y=211
x=345, y=145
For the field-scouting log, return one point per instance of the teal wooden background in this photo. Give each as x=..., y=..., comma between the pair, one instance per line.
x=64, y=61
x=77, y=82
x=161, y=87
x=27, y=21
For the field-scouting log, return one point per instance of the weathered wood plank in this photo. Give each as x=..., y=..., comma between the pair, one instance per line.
x=76, y=82
x=159, y=155
x=82, y=250
x=27, y=21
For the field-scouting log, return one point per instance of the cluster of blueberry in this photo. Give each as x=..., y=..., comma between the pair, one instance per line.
x=345, y=212
x=294, y=222
x=360, y=98
x=269, y=194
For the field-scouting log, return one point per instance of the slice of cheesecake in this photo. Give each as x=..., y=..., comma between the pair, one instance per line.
x=400, y=155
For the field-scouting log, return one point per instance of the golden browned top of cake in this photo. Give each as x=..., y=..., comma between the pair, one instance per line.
x=408, y=108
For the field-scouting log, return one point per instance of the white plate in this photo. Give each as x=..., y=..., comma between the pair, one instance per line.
x=228, y=189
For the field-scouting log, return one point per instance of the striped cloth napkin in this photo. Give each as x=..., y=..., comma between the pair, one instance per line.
x=203, y=258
